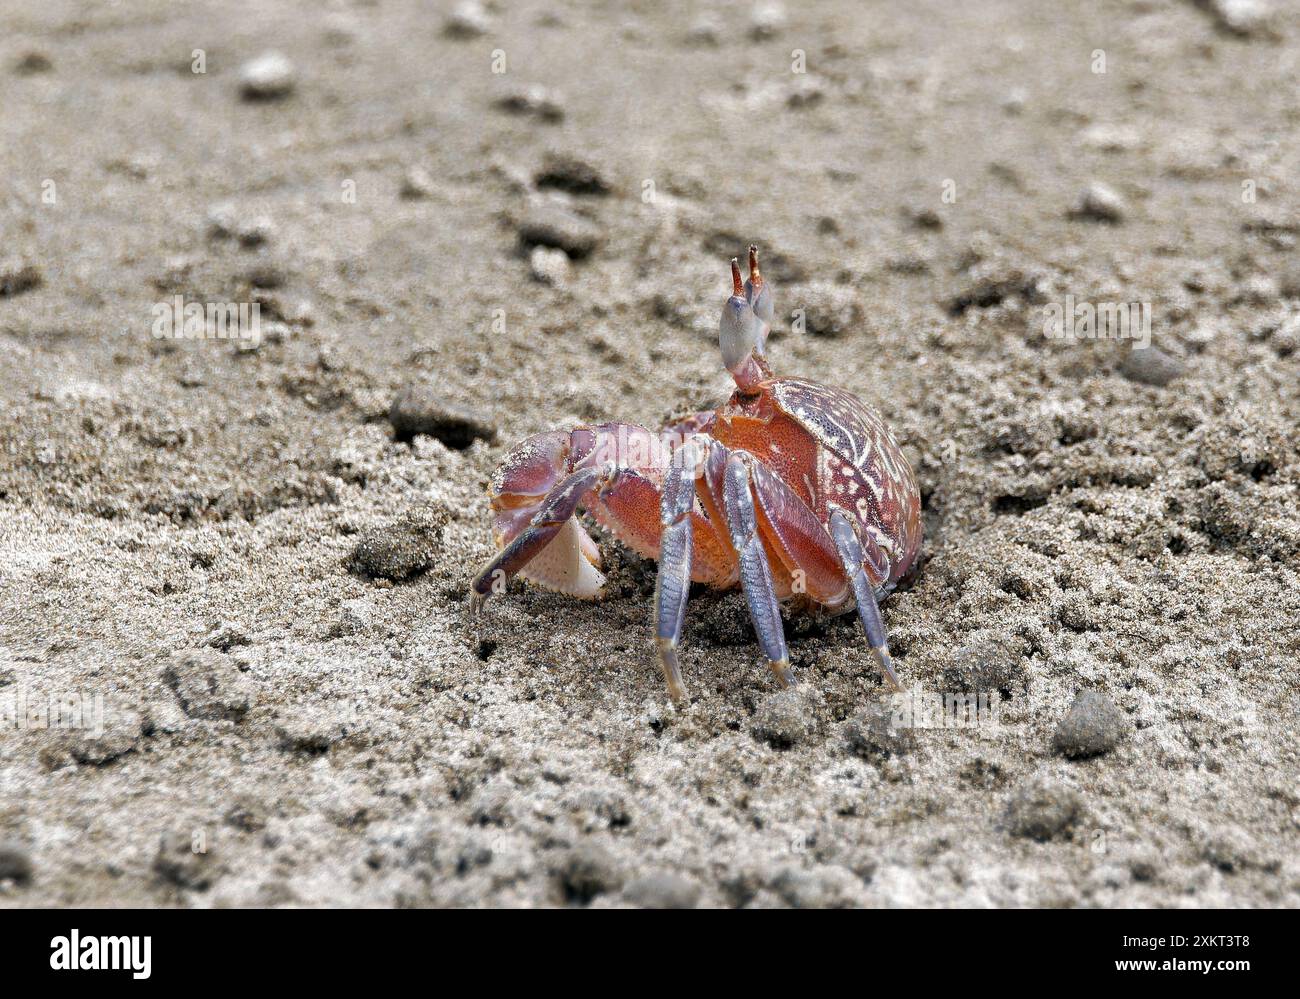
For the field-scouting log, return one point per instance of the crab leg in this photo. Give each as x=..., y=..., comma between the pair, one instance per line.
x=801, y=549
x=755, y=573
x=851, y=554
x=673, y=584
x=560, y=504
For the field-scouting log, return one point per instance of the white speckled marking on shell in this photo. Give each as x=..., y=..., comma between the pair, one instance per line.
x=861, y=468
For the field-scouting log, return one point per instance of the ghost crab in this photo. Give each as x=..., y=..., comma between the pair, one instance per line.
x=792, y=490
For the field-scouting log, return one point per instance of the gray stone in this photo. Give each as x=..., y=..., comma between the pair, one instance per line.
x=469, y=19
x=829, y=310
x=875, y=732
x=549, y=266
x=1092, y=726
x=417, y=184
x=1243, y=18
x=33, y=62
x=534, y=101
x=783, y=719
x=96, y=741
x=15, y=862
x=1151, y=366
x=420, y=409
x=270, y=76
x=1100, y=203
x=17, y=276
x=587, y=871
x=185, y=860
x=207, y=685
x=554, y=225
x=766, y=21
x=572, y=175
x=1043, y=811
x=400, y=549
x=663, y=891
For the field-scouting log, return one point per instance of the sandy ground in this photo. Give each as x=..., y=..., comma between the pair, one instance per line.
x=195, y=533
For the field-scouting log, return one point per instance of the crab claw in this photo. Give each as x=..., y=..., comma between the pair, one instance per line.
x=523, y=487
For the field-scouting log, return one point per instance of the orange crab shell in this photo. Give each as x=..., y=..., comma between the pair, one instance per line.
x=835, y=451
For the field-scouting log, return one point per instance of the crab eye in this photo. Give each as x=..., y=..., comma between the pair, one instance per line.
x=738, y=332
x=761, y=302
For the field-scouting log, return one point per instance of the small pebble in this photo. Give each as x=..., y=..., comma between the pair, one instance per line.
x=1092, y=726
x=1043, y=811
x=993, y=285
x=783, y=719
x=17, y=276
x=1100, y=203
x=400, y=549
x=704, y=32
x=468, y=20
x=663, y=891
x=1288, y=280
x=270, y=76
x=568, y=173
x=1144, y=864
x=32, y=62
x=923, y=218
x=225, y=221
x=311, y=732
x=1015, y=100
x=587, y=871
x=100, y=742
x=766, y=21
x=556, y=226
x=265, y=273
x=1258, y=289
x=226, y=636
x=185, y=860
x=829, y=310
x=549, y=266
x=1232, y=849
x=804, y=92
x=875, y=732
x=1111, y=138
x=802, y=889
x=207, y=685
x=1243, y=18
x=535, y=101
x=417, y=184
x=15, y=863
x=420, y=409
x=1151, y=366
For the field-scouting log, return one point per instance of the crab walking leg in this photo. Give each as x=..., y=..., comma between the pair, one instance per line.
x=850, y=549
x=797, y=540
x=560, y=504
x=755, y=573
x=673, y=584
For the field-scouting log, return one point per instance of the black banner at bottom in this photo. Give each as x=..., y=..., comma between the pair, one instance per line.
x=340, y=947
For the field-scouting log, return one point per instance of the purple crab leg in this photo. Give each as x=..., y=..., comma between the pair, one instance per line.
x=560, y=504
x=673, y=584
x=755, y=573
x=850, y=549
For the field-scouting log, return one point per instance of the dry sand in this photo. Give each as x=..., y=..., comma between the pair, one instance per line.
x=188, y=529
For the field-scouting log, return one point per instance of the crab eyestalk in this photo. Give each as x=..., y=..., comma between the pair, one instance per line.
x=759, y=295
x=740, y=335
